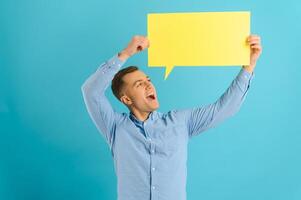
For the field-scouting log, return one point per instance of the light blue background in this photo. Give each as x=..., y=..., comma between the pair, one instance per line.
x=49, y=148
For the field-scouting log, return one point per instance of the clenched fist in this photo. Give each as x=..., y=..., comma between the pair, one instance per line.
x=137, y=44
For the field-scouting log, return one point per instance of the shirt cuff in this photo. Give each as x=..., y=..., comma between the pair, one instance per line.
x=244, y=75
x=115, y=61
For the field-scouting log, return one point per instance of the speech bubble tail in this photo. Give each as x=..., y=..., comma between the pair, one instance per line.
x=167, y=71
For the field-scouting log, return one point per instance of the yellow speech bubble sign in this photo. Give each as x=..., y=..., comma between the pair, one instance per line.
x=198, y=39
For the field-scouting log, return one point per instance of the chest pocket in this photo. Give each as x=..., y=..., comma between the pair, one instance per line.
x=170, y=140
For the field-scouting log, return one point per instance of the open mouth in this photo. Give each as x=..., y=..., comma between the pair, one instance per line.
x=151, y=96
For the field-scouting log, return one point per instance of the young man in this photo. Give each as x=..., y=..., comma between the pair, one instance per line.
x=149, y=148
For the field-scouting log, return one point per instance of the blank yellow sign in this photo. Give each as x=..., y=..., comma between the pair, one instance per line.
x=198, y=39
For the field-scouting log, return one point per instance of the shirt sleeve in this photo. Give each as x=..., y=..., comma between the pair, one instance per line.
x=202, y=118
x=97, y=104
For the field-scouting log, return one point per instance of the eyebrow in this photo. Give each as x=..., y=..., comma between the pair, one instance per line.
x=139, y=81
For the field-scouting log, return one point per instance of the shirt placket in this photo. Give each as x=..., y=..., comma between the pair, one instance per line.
x=152, y=168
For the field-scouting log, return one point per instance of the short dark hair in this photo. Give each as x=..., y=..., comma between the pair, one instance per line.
x=117, y=82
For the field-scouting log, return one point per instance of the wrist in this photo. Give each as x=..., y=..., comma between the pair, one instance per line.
x=249, y=68
x=123, y=55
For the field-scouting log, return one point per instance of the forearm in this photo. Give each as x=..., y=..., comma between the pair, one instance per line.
x=232, y=99
x=98, y=82
x=202, y=118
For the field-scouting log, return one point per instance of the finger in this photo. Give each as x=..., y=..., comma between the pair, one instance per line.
x=143, y=41
x=138, y=39
x=146, y=43
x=253, y=36
x=255, y=46
x=252, y=42
x=140, y=44
x=142, y=38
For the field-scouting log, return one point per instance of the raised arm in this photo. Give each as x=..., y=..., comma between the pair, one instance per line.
x=93, y=89
x=203, y=118
x=98, y=106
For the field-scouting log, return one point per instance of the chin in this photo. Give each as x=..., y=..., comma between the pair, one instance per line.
x=155, y=108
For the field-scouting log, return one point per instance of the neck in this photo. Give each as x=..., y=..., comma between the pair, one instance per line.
x=140, y=115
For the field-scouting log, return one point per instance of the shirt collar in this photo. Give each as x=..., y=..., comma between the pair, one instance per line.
x=152, y=116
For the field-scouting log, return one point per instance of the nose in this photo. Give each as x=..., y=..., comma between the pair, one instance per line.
x=147, y=84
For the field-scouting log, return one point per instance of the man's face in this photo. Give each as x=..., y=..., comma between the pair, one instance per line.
x=139, y=92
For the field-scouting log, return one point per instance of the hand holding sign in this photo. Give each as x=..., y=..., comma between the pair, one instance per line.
x=138, y=43
x=255, y=45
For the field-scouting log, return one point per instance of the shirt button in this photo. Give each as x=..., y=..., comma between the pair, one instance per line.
x=153, y=187
x=150, y=139
x=153, y=169
x=152, y=151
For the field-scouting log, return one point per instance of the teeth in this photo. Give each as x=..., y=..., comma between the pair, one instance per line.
x=150, y=94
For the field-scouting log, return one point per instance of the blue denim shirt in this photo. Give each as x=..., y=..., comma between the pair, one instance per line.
x=150, y=157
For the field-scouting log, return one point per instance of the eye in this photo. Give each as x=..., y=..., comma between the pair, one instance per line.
x=149, y=80
x=139, y=84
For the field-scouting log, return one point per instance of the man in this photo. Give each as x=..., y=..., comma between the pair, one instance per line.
x=149, y=148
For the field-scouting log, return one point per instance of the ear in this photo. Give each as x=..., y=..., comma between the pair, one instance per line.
x=126, y=100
